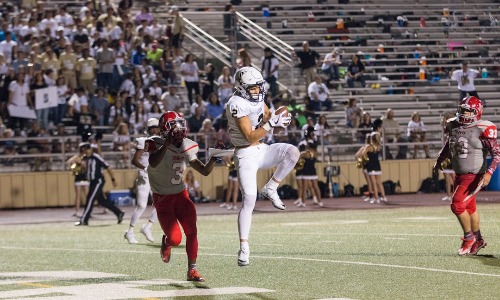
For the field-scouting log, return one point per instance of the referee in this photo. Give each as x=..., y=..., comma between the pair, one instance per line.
x=95, y=164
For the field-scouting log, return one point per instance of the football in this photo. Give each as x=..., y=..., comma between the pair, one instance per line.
x=279, y=111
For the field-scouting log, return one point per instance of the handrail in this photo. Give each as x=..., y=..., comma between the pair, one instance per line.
x=207, y=42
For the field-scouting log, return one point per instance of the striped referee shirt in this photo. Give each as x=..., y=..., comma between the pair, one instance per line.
x=95, y=165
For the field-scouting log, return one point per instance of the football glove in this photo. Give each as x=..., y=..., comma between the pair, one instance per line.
x=280, y=120
x=153, y=144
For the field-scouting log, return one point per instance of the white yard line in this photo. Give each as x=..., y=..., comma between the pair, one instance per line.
x=346, y=262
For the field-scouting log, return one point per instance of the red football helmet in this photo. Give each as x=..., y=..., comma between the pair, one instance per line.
x=470, y=110
x=172, y=121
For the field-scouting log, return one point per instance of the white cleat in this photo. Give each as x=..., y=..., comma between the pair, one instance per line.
x=147, y=233
x=243, y=258
x=273, y=196
x=446, y=198
x=130, y=237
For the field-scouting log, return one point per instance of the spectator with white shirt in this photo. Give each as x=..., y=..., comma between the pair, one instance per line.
x=416, y=134
x=190, y=72
x=6, y=47
x=319, y=93
x=331, y=64
x=19, y=92
x=105, y=59
x=226, y=85
x=62, y=94
x=270, y=66
x=465, y=79
x=171, y=100
x=78, y=102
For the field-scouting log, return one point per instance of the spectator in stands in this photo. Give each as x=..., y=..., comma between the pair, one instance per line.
x=209, y=134
x=137, y=56
x=38, y=146
x=308, y=62
x=7, y=47
x=128, y=83
x=144, y=14
x=243, y=59
x=121, y=141
x=20, y=60
x=138, y=118
x=190, y=71
x=68, y=62
x=465, y=79
x=392, y=134
x=86, y=71
x=319, y=93
x=416, y=134
x=214, y=107
x=353, y=113
x=355, y=72
x=7, y=147
x=229, y=22
x=42, y=114
x=226, y=85
x=154, y=56
x=105, y=58
x=171, y=100
x=208, y=81
x=365, y=127
x=270, y=66
x=331, y=63
x=167, y=68
x=177, y=31
x=19, y=92
x=99, y=106
x=322, y=130
x=198, y=102
x=195, y=121
x=117, y=112
x=51, y=62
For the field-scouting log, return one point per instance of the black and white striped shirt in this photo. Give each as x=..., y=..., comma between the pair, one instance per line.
x=95, y=164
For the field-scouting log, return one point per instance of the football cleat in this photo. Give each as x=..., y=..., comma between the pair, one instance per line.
x=147, y=233
x=466, y=246
x=80, y=223
x=446, y=198
x=120, y=217
x=193, y=275
x=130, y=237
x=478, y=245
x=243, y=258
x=272, y=195
x=165, y=250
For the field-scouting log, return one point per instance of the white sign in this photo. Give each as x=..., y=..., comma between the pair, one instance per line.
x=45, y=98
x=23, y=112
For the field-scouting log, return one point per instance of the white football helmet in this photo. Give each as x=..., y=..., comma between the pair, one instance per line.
x=248, y=77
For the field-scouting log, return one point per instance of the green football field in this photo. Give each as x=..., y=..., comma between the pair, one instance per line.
x=405, y=253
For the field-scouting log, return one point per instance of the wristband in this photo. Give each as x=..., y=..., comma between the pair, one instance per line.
x=267, y=126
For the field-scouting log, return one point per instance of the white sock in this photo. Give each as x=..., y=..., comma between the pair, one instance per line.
x=272, y=184
x=244, y=246
x=131, y=229
x=148, y=225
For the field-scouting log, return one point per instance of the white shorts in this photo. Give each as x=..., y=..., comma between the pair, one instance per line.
x=300, y=177
x=82, y=183
x=232, y=178
x=448, y=171
x=310, y=177
x=253, y=158
x=374, y=173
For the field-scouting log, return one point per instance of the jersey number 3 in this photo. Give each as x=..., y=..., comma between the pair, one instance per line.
x=178, y=169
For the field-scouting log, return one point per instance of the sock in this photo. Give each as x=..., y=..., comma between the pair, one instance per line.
x=478, y=236
x=192, y=267
x=272, y=184
x=315, y=199
x=131, y=229
x=244, y=246
x=469, y=235
x=148, y=225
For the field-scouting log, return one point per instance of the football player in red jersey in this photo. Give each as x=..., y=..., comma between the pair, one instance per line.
x=169, y=156
x=469, y=140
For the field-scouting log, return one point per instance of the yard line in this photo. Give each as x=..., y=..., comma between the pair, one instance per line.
x=346, y=262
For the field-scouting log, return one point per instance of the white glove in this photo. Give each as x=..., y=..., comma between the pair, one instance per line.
x=281, y=120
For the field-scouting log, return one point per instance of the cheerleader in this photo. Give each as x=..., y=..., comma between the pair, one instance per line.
x=362, y=159
x=81, y=182
x=232, y=184
x=448, y=173
x=309, y=175
x=372, y=151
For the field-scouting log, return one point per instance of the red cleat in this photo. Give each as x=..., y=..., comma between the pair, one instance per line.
x=478, y=245
x=165, y=250
x=466, y=246
x=193, y=275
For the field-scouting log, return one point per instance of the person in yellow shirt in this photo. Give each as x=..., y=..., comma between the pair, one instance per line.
x=51, y=62
x=154, y=55
x=86, y=68
x=68, y=61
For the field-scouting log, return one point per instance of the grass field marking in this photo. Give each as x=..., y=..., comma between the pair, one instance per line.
x=40, y=285
x=360, y=263
x=329, y=223
x=353, y=233
x=395, y=238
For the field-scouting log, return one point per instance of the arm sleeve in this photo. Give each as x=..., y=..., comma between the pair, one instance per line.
x=444, y=153
x=489, y=141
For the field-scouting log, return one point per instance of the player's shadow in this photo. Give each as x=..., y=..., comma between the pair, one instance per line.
x=488, y=259
x=159, y=246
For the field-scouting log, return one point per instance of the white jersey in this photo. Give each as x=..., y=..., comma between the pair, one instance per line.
x=167, y=177
x=144, y=159
x=238, y=107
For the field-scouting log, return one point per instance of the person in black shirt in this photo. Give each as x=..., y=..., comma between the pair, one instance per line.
x=355, y=72
x=309, y=60
x=94, y=167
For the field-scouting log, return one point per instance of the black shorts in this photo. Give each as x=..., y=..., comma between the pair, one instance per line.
x=177, y=41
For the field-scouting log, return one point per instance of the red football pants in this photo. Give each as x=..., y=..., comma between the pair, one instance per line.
x=465, y=184
x=175, y=209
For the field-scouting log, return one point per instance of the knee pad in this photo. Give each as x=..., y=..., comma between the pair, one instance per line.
x=457, y=208
x=294, y=153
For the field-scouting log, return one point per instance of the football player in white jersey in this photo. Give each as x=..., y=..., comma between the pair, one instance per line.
x=141, y=161
x=249, y=120
x=469, y=140
x=167, y=162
